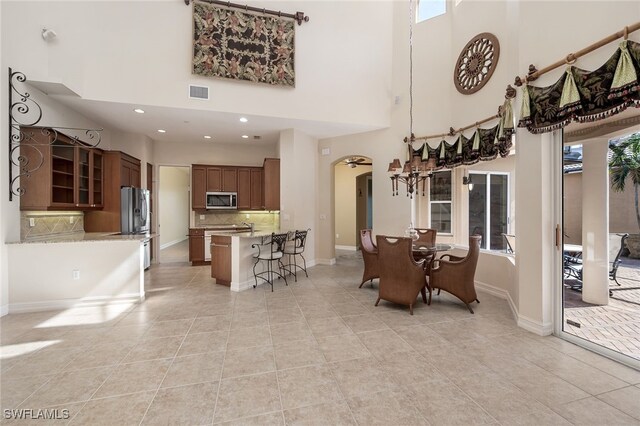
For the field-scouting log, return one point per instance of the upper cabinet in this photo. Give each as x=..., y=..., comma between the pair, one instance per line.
x=271, y=183
x=120, y=169
x=248, y=182
x=70, y=177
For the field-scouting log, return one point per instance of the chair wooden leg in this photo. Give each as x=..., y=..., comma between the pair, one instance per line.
x=430, y=293
x=411, y=309
x=477, y=301
x=361, y=284
x=438, y=292
x=469, y=307
x=377, y=301
x=424, y=294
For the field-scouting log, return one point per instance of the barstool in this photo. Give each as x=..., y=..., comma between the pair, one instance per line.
x=293, y=248
x=271, y=251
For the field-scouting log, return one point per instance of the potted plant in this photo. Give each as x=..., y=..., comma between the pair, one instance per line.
x=624, y=166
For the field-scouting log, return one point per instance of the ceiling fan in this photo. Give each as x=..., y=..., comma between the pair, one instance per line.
x=355, y=161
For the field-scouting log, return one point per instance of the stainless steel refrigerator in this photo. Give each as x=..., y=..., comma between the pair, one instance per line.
x=135, y=215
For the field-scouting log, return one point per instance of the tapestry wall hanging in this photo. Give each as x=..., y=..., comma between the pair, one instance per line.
x=242, y=46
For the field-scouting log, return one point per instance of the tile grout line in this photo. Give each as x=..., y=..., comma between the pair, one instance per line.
x=167, y=372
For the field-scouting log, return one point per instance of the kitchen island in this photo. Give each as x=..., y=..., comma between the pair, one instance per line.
x=232, y=257
x=79, y=269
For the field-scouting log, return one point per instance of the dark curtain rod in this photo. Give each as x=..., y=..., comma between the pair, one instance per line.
x=298, y=16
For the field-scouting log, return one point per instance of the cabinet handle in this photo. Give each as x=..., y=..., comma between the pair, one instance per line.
x=220, y=245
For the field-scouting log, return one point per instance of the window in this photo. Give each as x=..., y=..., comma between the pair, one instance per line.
x=489, y=208
x=440, y=202
x=428, y=9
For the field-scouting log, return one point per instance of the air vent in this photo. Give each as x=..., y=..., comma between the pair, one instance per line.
x=198, y=92
x=257, y=137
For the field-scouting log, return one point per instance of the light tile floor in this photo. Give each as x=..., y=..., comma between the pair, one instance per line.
x=315, y=352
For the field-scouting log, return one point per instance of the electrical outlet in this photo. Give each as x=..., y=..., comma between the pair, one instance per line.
x=76, y=274
x=32, y=222
x=201, y=217
x=70, y=219
x=246, y=216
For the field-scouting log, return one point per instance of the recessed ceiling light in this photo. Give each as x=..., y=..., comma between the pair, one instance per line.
x=162, y=131
x=139, y=110
x=207, y=137
x=245, y=136
x=243, y=119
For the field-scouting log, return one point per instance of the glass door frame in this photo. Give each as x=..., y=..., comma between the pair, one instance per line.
x=557, y=265
x=487, y=220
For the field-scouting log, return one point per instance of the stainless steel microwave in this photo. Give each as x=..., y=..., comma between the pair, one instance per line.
x=222, y=200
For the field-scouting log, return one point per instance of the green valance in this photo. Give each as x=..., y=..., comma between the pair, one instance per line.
x=483, y=145
x=582, y=95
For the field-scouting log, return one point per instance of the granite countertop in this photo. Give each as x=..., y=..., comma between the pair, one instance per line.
x=258, y=233
x=85, y=237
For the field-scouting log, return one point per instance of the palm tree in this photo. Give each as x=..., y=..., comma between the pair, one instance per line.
x=625, y=164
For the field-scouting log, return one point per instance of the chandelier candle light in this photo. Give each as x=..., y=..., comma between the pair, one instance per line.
x=415, y=170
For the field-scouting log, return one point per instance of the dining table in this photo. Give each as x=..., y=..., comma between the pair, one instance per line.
x=427, y=252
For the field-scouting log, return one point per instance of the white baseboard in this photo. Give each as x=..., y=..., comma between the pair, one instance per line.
x=535, y=327
x=236, y=286
x=171, y=243
x=328, y=262
x=50, y=305
x=4, y=310
x=350, y=248
x=501, y=293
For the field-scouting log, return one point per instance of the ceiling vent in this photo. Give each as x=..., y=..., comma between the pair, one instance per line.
x=198, y=92
x=257, y=138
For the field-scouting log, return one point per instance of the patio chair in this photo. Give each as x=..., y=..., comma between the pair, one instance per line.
x=510, y=241
x=616, y=247
x=401, y=277
x=370, y=257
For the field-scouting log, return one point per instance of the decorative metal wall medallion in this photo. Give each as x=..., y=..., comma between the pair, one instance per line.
x=476, y=63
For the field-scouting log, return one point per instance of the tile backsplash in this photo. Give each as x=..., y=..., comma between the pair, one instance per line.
x=50, y=223
x=261, y=219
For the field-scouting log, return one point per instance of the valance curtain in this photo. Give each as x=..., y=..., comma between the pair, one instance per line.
x=584, y=96
x=483, y=145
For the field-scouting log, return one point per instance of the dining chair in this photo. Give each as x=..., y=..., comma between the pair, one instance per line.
x=402, y=278
x=456, y=275
x=370, y=257
x=427, y=235
x=270, y=252
x=293, y=248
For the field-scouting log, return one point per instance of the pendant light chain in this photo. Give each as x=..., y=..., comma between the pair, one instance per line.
x=411, y=18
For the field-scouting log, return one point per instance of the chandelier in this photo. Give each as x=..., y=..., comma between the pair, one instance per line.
x=415, y=171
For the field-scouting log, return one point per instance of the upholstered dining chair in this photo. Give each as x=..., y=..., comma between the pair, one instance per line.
x=370, y=257
x=427, y=235
x=401, y=277
x=456, y=275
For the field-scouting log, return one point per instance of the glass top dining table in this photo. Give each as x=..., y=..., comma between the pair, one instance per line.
x=430, y=248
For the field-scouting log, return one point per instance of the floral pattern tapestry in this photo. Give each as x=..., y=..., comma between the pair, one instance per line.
x=242, y=46
x=583, y=95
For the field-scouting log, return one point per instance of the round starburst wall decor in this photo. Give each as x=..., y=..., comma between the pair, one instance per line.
x=476, y=63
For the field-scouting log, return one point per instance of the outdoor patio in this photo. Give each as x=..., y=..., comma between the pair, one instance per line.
x=617, y=325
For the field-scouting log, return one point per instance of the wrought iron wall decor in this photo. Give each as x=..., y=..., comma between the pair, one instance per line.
x=26, y=112
x=242, y=46
x=299, y=17
x=476, y=63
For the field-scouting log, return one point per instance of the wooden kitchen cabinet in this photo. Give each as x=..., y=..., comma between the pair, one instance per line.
x=119, y=169
x=196, y=246
x=271, y=183
x=244, y=188
x=229, y=179
x=221, y=259
x=198, y=187
x=214, y=179
x=257, y=190
x=70, y=177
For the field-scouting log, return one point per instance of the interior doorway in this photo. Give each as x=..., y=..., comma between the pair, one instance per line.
x=600, y=303
x=353, y=191
x=174, y=213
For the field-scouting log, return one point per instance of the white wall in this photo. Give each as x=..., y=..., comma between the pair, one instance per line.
x=179, y=153
x=4, y=192
x=109, y=272
x=173, y=198
x=138, y=47
x=299, y=188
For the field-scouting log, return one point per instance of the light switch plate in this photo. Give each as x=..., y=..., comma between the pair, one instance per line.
x=201, y=217
x=32, y=222
x=76, y=274
x=326, y=151
x=323, y=217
